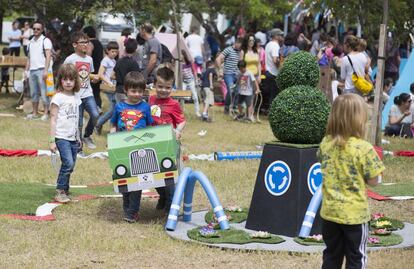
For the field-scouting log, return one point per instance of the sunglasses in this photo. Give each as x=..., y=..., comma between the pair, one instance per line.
x=36, y=29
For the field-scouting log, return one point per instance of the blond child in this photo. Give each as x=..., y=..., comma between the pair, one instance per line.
x=348, y=163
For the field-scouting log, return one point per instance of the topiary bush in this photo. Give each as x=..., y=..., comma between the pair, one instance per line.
x=299, y=115
x=299, y=68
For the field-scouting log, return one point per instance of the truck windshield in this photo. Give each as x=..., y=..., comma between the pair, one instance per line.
x=115, y=27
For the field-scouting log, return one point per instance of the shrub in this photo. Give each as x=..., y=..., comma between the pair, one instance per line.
x=299, y=115
x=299, y=68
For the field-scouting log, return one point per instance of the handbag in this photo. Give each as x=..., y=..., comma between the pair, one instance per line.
x=362, y=84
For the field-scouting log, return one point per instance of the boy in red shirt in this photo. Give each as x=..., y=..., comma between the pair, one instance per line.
x=166, y=110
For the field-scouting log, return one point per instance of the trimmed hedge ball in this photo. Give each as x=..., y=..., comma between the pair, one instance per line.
x=299, y=68
x=299, y=115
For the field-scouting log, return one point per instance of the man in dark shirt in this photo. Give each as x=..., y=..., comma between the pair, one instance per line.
x=95, y=50
x=123, y=66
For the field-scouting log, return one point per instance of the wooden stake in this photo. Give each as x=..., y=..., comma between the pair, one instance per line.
x=376, y=116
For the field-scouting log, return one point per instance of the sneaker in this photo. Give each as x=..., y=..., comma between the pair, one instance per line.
x=45, y=117
x=132, y=219
x=226, y=110
x=61, y=197
x=250, y=119
x=198, y=114
x=160, y=204
x=98, y=130
x=81, y=154
x=206, y=119
x=89, y=142
x=32, y=117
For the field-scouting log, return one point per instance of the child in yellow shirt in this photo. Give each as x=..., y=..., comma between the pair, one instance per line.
x=348, y=163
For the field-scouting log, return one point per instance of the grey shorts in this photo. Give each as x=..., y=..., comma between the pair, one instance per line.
x=245, y=99
x=209, y=96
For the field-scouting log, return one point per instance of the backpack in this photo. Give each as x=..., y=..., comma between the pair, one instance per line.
x=166, y=56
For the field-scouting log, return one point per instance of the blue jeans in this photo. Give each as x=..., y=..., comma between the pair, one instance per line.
x=131, y=203
x=108, y=114
x=67, y=150
x=230, y=80
x=38, y=86
x=88, y=104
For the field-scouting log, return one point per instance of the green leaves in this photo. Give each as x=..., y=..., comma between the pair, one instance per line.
x=299, y=115
x=300, y=68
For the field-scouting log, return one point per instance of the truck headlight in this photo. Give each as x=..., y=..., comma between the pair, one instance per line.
x=167, y=163
x=121, y=170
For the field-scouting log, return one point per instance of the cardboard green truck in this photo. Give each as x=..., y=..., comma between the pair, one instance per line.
x=144, y=158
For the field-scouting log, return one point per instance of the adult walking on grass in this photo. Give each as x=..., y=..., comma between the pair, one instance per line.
x=37, y=65
x=230, y=56
x=273, y=63
x=152, y=52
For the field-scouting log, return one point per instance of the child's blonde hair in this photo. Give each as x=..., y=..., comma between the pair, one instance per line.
x=362, y=46
x=68, y=71
x=347, y=118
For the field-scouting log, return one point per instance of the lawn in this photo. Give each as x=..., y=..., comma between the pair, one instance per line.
x=91, y=234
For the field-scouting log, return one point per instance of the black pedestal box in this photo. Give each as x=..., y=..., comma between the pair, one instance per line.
x=286, y=179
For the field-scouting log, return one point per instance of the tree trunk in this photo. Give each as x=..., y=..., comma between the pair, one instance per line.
x=1, y=23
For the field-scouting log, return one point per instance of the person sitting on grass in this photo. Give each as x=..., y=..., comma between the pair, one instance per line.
x=246, y=83
x=166, y=110
x=400, y=118
x=64, y=132
x=207, y=78
x=131, y=114
x=348, y=163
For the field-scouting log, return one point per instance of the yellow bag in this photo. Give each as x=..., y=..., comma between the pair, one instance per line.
x=362, y=84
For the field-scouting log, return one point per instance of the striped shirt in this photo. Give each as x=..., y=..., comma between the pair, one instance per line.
x=231, y=58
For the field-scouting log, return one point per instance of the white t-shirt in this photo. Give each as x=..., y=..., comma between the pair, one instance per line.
x=395, y=112
x=26, y=35
x=37, y=58
x=85, y=67
x=195, y=44
x=245, y=81
x=359, y=61
x=68, y=115
x=109, y=65
x=272, y=50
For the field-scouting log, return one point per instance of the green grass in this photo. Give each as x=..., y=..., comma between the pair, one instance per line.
x=236, y=217
x=398, y=189
x=24, y=198
x=385, y=241
x=232, y=236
